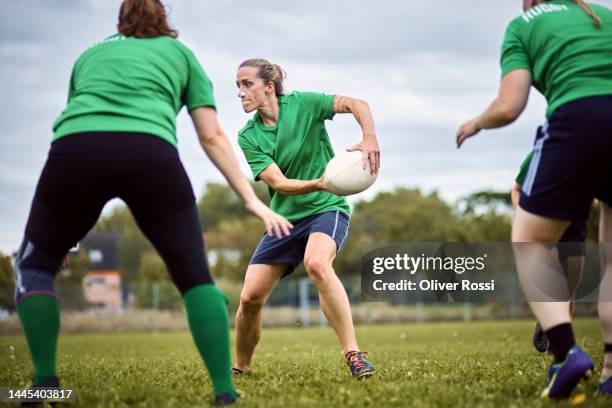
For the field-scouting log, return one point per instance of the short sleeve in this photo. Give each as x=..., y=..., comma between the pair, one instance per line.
x=513, y=54
x=199, y=90
x=321, y=104
x=257, y=159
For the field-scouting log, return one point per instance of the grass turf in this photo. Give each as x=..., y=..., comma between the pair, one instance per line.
x=479, y=364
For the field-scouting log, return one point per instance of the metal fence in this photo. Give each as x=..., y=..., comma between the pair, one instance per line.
x=158, y=306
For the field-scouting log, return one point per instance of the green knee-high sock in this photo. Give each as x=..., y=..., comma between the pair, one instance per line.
x=40, y=319
x=207, y=315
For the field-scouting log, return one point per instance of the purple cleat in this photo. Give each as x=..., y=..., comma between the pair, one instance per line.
x=604, y=388
x=563, y=377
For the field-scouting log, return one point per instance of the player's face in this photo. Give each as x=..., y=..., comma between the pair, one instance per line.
x=251, y=89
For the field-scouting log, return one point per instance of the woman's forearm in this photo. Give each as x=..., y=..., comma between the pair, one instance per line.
x=296, y=187
x=219, y=151
x=361, y=111
x=497, y=115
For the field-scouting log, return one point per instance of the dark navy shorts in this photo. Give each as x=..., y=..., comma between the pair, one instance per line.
x=290, y=249
x=571, y=163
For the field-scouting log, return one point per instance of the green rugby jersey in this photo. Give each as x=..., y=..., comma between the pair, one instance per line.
x=127, y=84
x=300, y=146
x=568, y=56
x=520, y=178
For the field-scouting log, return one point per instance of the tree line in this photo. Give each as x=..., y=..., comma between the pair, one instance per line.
x=231, y=234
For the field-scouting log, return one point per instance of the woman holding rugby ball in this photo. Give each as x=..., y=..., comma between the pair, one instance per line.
x=287, y=147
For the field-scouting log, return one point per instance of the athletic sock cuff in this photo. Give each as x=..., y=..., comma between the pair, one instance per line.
x=561, y=340
x=209, y=298
x=27, y=295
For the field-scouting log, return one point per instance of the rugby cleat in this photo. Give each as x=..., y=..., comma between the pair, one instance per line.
x=238, y=372
x=49, y=382
x=564, y=377
x=540, y=339
x=225, y=398
x=359, y=365
x=604, y=388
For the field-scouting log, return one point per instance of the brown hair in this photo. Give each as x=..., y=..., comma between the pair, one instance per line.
x=144, y=19
x=589, y=10
x=268, y=72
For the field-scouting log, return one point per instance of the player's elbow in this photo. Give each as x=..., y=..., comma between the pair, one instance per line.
x=276, y=184
x=347, y=104
x=211, y=137
x=509, y=112
x=207, y=126
x=358, y=104
x=509, y=107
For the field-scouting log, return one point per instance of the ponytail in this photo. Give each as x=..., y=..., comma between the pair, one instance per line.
x=590, y=12
x=279, y=77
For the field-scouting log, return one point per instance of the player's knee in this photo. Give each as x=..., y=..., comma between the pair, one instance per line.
x=35, y=270
x=251, y=302
x=318, y=268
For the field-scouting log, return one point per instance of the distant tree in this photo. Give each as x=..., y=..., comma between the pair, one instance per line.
x=485, y=202
x=408, y=216
x=233, y=242
x=485, y=214
x=69, y=281
x=75, y=270
x=152, y=268
x=488, y=227
x=219, y=202
x=154, y=287
x=132, y=243
x=402, y=215
x=7, y=282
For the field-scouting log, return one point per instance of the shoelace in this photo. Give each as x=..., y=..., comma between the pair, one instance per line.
x=355, y=358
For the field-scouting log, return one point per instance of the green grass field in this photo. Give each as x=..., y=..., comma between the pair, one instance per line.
x=483, y=364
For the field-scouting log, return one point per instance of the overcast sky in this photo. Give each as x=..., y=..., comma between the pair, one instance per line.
x=423, y=66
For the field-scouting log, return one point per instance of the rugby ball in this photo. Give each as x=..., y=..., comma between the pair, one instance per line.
x=344, y=174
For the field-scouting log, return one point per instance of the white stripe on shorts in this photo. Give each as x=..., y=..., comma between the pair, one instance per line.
x=335, y=226
x=535, y=161
x=345, y=235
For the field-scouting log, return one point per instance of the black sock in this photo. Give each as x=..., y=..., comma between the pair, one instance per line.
x=608, y=348
x=561, y=340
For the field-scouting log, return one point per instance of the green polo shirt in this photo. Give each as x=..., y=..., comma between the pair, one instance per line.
x=300, y=146
x=568, y=56
x=126, y=84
